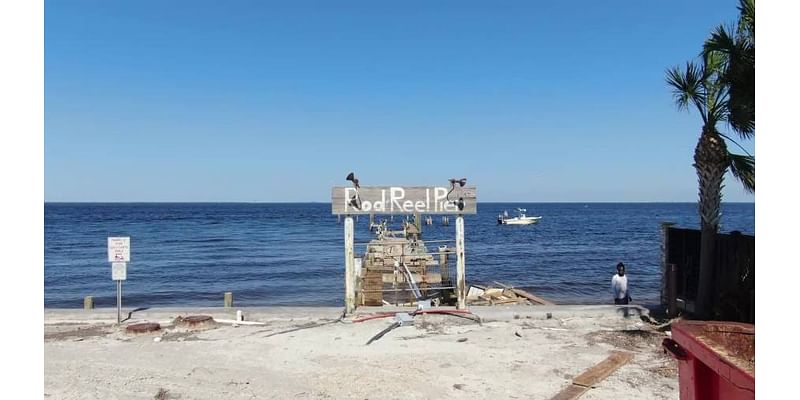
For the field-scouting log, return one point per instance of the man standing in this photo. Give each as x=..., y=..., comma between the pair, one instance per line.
x=619, y=285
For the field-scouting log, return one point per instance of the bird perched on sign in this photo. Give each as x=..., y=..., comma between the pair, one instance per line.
x=461, y=182
x=352, y=178
x=355, y=201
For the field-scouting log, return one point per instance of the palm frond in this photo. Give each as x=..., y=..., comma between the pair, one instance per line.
x=747, y=18
x=733, y=57
x=722, y=44
x=744, y=169
x=720, y=41
x=728, y=138
x=687, y=87
x=740, y=76
x=714, y=63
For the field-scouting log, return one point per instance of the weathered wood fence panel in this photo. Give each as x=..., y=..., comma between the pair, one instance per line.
x=734, y=273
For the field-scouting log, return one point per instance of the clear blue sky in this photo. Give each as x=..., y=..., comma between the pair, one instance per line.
x=266, y=101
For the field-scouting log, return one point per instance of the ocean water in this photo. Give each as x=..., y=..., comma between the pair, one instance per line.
x=189, y=254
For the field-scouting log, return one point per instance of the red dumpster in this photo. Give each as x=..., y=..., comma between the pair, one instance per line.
x=716, y=360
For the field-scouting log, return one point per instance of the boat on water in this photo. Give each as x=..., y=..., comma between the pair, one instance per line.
x=520, y=219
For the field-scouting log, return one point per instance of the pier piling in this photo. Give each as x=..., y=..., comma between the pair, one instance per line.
x=461, y=283
x=349, y=267
x=443, y=269
x=228, y=299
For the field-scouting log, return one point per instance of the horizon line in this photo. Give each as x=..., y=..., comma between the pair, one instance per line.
x=328, y=202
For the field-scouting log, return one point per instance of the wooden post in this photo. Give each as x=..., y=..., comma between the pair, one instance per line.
x=228, y=299
x=349, y=267
x=461, y=289
x=672, y=290
x=664, y=260
x=443, y=270
x=88, y=303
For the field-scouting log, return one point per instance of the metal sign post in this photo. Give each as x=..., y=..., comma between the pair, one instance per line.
x=119, y=254
x=119, y=302
x=119, y=274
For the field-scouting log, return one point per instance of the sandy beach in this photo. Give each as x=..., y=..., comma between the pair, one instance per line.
x=516, y=352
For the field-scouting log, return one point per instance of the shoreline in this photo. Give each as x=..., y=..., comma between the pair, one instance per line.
x=269, y=312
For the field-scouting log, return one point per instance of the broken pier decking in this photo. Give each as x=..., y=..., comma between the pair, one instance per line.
x=380, y=275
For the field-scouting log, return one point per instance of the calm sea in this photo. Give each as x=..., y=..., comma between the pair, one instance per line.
x=189, y=254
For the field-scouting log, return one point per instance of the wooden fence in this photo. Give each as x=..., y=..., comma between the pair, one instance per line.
x=734, y=274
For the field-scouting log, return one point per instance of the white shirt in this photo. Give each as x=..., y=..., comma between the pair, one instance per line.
x=619, y=284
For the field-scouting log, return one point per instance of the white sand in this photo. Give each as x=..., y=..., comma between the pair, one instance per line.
x=517, y=353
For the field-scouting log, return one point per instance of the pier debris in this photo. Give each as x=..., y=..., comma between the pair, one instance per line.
x=485, y=296
x=388, y=329
x=143, y=327
x=195, y=322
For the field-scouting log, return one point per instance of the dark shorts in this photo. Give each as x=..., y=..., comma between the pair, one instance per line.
x=621, y=301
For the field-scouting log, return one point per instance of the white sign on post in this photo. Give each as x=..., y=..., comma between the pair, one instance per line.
x=119, y=271
x=119, y=249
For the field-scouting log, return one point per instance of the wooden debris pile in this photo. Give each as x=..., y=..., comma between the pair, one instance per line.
x=489, y=296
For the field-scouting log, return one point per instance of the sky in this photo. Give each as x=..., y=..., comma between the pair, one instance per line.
x=261, y=101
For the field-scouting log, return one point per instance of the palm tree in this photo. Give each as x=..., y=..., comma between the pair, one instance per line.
x=707, y=88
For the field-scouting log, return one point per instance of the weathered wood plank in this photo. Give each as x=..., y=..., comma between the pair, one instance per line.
x=602, y=370
x=532, y=298
x=592, y=376
x=525, y=294
x=430, y=277
x=372, y=281
x=570, y=392
x=403, y=200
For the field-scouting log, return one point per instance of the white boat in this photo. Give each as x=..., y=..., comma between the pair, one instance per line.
x=520, y=219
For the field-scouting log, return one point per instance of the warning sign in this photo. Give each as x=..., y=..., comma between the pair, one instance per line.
x=119, y=249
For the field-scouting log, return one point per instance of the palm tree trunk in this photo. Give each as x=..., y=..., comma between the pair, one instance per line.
x=710, y=161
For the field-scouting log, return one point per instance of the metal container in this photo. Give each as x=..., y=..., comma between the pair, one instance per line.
x=716, y=360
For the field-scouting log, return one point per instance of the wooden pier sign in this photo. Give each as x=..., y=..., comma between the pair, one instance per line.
x=404, y=200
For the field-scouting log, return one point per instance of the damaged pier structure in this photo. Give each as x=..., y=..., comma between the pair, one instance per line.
x=397, y=268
